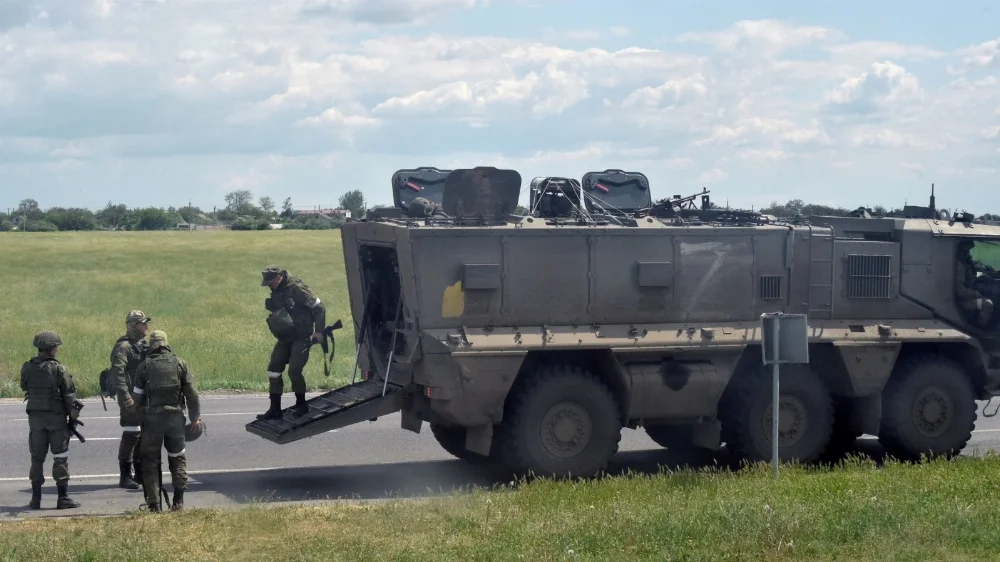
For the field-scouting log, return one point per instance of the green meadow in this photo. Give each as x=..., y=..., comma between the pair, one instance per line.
x=858, y=512
x=201, y=287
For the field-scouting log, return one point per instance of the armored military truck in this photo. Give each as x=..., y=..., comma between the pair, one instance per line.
x=532, y=341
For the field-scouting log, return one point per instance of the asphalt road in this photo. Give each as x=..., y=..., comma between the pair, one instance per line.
x=231, y=467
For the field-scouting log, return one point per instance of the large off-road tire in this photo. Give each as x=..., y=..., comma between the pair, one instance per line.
x=928, y=408
x=561, y=422
x=843, y=438
x=452, y=439
x=805, y=418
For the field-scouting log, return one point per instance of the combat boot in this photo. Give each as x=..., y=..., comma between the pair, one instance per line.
x=36, y=495
x=64, y=501
x=300, y=408
x=153, y=507
x=126, y=481
x=138, y=473
x=178, y=503
x=274, y=413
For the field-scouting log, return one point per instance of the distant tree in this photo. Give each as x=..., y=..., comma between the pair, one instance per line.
x=6, y=225
x=267, y=204
x=114, y=216
x=226, y=215
x=72, y=219
x=191, y=214
x=28, y=208
x=152, y=218
x=353, y=201
x=238, y=201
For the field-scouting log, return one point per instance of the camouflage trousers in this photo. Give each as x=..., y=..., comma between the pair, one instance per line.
x=293, y=353
x=128, y=448
x=48, y=431
x=162, y=430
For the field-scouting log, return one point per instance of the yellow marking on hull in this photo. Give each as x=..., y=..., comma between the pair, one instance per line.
x=453, y=301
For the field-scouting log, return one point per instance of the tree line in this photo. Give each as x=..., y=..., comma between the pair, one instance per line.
x=240, y=212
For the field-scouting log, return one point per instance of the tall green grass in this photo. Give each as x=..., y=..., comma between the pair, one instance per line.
x=859, y=512
x=201, y=287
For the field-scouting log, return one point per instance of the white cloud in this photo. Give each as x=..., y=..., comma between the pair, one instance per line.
x=714, y=175
x=131, y=90
x=764, y=38
x=384, y=11
x=983, y=55
x=885, y=85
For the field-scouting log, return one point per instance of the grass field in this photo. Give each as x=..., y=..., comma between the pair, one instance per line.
x=202, y=288
x=859, y=512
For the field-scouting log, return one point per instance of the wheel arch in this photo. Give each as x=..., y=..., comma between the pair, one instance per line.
x=600, y=362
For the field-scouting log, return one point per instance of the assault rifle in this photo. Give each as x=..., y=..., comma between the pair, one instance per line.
x=327, y=348
x=72, y=424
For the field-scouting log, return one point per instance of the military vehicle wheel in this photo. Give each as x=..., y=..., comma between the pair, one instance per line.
x=805, y=421
x=843, y=437
x=562, y=421
x=452, y=439
x=928, y=407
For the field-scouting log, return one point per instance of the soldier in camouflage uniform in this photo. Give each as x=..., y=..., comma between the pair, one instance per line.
x=970, y=300
x=297, y=318
x=51, y=396
x=126, y=355
x=163, y=386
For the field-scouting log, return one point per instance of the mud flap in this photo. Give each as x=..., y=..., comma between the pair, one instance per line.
x=335, y=409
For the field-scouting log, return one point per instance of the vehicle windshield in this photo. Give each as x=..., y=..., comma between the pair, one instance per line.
x=987, y=255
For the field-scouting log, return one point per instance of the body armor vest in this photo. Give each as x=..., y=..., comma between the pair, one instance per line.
x=43, y=393
x=163, y=384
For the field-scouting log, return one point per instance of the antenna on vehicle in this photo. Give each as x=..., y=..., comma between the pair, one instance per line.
x=932, y=207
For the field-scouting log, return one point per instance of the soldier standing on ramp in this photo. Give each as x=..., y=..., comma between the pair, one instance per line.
x=163, y=386
x=126, y=355
x=297, y=318
x=51, y=396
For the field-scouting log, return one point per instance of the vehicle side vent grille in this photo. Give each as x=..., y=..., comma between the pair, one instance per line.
x=770, y=287
x=869, y=277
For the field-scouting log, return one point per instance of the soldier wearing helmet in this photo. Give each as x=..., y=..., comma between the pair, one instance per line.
x=125, y=356
x=51, y=395
x=163, y=387
x=296, y=318
x=968, y=297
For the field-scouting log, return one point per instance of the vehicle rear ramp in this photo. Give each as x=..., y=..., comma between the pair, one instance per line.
x=338, y=408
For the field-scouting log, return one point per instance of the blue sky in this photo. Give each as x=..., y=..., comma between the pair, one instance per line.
x=162, y=102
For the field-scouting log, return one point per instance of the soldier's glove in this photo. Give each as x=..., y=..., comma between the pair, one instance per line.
x=74, y=414
x=268, y=304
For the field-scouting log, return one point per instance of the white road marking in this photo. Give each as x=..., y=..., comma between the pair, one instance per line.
x=118, y=417
x=167, y=473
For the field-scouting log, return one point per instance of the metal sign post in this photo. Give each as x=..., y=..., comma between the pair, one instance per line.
x=784, y=339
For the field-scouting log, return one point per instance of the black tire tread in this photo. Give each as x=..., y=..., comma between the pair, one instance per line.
x=513, y=449
x=738, y=400
x=894, y=418
x=446, y=437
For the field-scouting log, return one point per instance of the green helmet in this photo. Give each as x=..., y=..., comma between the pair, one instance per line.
x=46, y=340
x=193, y=432
x=137, y=317
x=158, y=339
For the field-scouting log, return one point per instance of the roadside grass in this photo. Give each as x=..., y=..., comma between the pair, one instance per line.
x=201, y=287
x=858, y=512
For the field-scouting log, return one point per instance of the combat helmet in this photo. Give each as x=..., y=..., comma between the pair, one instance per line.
x=136, y=317
x=158, y=339
x=193, y=432
x=46, y=340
